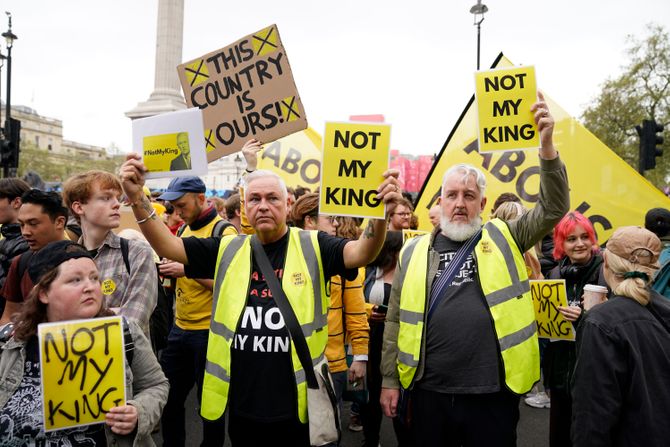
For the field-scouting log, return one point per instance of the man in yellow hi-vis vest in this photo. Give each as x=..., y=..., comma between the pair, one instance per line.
x=252, y=368
x=467, y=347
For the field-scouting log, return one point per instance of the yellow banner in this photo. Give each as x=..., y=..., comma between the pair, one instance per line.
x=504, y=97
x=602, y=186
x=163, y=152
x=409, y=234
x=548, y=295
x=355, y=157
x=296, y=158
x=82, y=370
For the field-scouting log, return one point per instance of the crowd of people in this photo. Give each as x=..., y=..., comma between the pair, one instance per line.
x=437, y=333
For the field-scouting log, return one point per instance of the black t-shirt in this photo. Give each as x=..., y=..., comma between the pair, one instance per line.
x=262, y=381
x=461, y=346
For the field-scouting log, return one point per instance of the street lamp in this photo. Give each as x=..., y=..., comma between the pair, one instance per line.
x=2, y=64
x=478, y=10
x=10, y=37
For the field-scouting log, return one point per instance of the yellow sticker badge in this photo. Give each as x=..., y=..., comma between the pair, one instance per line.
x=289, y=109
x=197, y=72
x=82, y=371
x=265, y=41
x=504, y=98
x=108, y=286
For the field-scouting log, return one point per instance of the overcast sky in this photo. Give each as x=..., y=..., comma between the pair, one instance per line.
x=88, y=62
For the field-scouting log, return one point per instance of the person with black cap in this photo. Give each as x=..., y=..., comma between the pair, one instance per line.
x=657, y=221
x=67, y=287
x=183, y=359
x=621, y=381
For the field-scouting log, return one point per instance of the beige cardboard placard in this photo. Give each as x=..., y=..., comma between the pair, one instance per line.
x=245, y=90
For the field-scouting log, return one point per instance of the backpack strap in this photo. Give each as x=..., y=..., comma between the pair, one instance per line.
x=124, y=252
x=23, y=263
x=220, y=226
x=128, y=343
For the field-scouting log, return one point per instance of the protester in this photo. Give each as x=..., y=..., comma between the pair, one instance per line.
x=657, y=220
x=579, y=264
x=434, y=214
x=42, y=218
x=172, y=219
x=513, y=210
x=267, y=399
x=347, y=319
x=93, y=197
x=467, y=357
x=184, y=357
x=377, y=289
x=232, y=212
x=12, y=243
x=620, y=389
x=67, y=287
x=398, y=214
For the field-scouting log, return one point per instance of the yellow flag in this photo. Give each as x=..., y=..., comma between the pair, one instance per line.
x=296, y=158
x=603, y=187
x=82, y=365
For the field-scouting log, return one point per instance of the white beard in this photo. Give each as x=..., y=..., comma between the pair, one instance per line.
x=460, y=232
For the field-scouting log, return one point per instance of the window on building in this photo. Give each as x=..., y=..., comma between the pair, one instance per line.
x=49, y=147
x=37, y=140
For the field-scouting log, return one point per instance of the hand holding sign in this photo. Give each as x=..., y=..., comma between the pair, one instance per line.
x=545, y=126
x=250, y=151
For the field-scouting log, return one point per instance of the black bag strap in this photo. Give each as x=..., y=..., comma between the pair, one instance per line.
x=124, y=252
x=23, y=263
x=286, y=310
x=450, y=271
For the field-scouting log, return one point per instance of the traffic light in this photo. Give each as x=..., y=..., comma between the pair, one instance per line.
x=649, y=144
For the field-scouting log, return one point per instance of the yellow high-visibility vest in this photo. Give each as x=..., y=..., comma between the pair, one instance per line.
x=304, y=285
x=504, y=282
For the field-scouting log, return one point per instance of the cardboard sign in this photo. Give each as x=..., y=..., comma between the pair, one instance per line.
x=603, y=187
x=246, y=90
x=547, y=295
x=355, y=157
x=171, y=144
x=82, y=367
x=504, y=98
x=296, y=158
x=409, y=234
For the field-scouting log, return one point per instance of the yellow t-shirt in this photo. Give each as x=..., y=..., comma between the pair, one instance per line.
x=193, y=301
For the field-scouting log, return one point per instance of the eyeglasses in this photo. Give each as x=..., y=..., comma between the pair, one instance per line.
x=402, y=214
x=331, y=219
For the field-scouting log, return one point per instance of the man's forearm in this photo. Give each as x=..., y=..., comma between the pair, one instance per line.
x=157, y=233
x=364, y=250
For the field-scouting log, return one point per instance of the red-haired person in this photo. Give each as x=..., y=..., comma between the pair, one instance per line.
x=579, y=263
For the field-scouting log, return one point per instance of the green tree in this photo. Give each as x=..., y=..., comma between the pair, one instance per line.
x=640, y=92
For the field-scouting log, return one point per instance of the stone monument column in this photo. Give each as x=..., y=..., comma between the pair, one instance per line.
x=166, y=96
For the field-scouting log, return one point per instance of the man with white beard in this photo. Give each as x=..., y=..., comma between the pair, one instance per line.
x=460, y=334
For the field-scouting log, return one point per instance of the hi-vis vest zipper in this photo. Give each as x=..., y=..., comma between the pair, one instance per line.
x=304, y=286
x=504, y=282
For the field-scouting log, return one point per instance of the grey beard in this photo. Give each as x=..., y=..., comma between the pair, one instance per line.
x=460, y=232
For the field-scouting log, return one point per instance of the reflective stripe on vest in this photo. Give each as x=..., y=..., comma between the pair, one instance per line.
x=304, y=285
x=507, y=292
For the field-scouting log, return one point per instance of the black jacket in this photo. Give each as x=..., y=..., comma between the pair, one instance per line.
x=559, y=356
x=621, y=384
x=12, y=244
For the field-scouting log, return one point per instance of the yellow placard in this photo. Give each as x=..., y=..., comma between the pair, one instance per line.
x=166, y=152
x=504, y=98
x=547, y=295
x=296, y=158
x=409, y=234
x=82, y=366
x=603, y=187
x=355, y=157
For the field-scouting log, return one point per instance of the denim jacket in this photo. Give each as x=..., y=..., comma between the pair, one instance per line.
x=146, y=386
